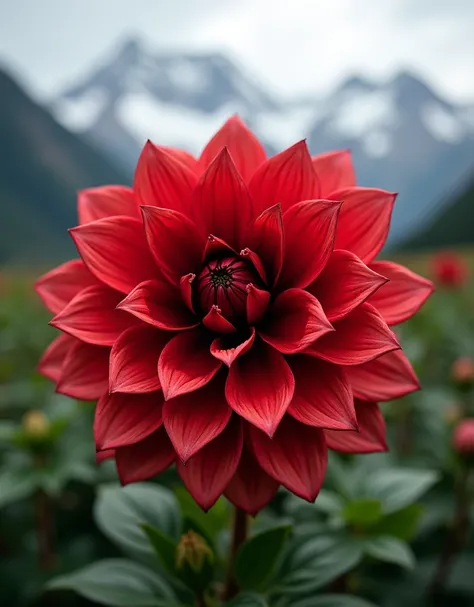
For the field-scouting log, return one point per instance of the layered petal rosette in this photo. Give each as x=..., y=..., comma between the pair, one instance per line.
x=229, y=316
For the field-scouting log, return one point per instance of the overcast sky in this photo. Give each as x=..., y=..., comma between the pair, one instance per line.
x=296, y=46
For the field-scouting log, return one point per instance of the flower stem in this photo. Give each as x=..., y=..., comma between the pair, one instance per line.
x=44, y=530
x=239, y=535
x=456, y=537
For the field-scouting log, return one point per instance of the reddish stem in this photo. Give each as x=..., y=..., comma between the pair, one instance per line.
x=239, y=535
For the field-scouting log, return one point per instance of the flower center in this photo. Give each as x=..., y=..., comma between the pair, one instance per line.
x=223, y=283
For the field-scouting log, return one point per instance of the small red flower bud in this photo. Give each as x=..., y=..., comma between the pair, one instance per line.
x=462, y=371
x=449, y=270
x=463, y=437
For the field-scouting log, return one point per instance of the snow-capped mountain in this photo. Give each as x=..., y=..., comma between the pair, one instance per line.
x=403, y=136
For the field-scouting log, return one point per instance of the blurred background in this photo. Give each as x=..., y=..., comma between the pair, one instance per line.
x=83, y=85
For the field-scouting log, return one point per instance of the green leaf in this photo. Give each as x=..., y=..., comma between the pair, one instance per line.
x=7, y=431
x=119, y=583
x=163, y=545
x=397, y=488
x=312, y=561
x=333, y=600
x=209, y=523
x=247, y=600
x=390, y=550
x=119, y=512
x=257, y=558
x=401, y=524
x=15, y=486
x=363, y=511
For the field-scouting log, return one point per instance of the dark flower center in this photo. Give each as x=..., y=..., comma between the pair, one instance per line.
x=223, y=283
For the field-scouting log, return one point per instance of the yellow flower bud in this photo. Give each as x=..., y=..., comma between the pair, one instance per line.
x=35, y=424
x=192, y=550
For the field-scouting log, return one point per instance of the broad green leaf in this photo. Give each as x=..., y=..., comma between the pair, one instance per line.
x=257, y=558
x=312, y=561
x=363, y=511
x=397, y=488
x=390, y=550
x=401, y=524
x=15, y=486
x=247, y=600
x=119, y=512
x=333, y=600
x=118, y=583
x=163, y=545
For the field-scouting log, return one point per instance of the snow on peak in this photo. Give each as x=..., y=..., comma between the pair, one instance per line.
x=148, y=118
x=361, y=112
x=189, y=77
x=442, y=124
x=80, y=114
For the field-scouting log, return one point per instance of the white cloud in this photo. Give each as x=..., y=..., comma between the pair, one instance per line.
x=297, y=47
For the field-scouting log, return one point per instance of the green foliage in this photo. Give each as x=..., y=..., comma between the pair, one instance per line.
x=247, y=600
x=121, y=512
x=257, y=558
x=119, y=583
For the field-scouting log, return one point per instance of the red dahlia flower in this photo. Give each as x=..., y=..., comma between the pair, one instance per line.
x=230, y=317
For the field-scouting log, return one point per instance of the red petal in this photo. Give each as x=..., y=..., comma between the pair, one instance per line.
x=386, y=378
x=53, y=357
x=106, y=201
x=216, y=247
x=134, y=360
x=193, y=420
x=221, y=202
x=334, y=170
x=227, y=348
x=344, y=284
x=174, y=242
x=125, y=419
x=91, y=317
x=250, y=489
x=245, y=149
x=364, y=220
x=145, y=459
x=260, y=387
x=403, y=295
x=207, y=473
x=186, y=364
x=185, y=285
x=286, y=178
x=184, y=157
x=265, y=237
x=59, y=286
x=256, y=262
x=257, y=303
x=85, y=372
x=371, y=436
x=359, y=338
x=323, y=397
x=296, y=456
x=115, y=251
x=159, y=304
x=310, y=229
x=214, y=321
x=162, y=179
x=294, y=321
